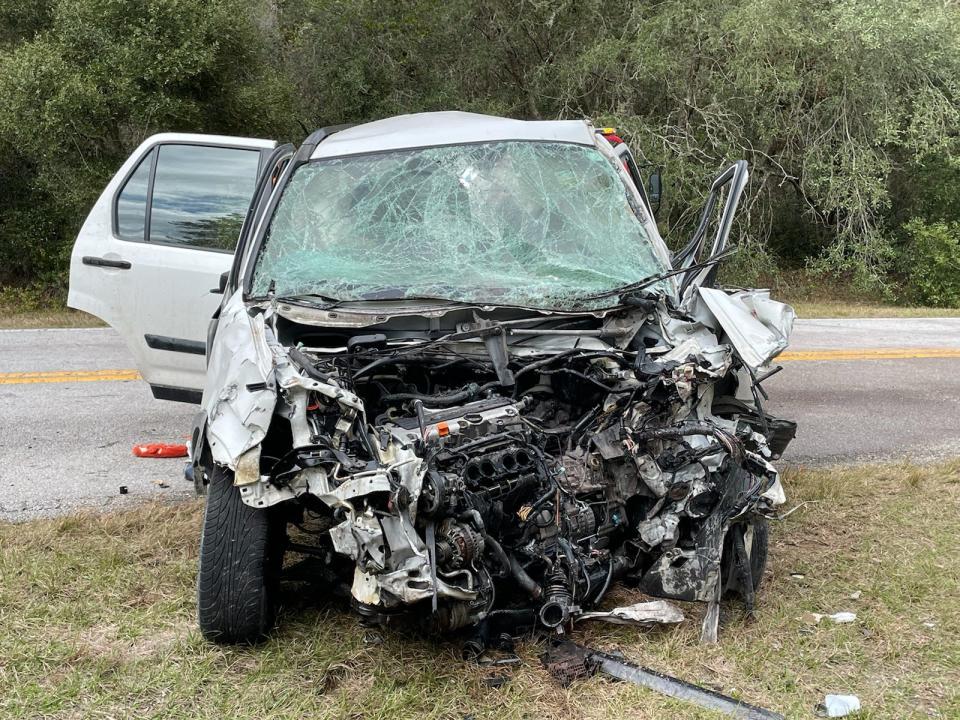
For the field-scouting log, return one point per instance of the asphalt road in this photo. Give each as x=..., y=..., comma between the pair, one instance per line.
x=905, y=406
x=873, y=389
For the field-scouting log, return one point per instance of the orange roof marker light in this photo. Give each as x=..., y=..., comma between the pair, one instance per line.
x=610, y=133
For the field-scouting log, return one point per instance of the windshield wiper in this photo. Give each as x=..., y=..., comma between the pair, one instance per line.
x=634, y=287
x=325, y=302
x=399, y=294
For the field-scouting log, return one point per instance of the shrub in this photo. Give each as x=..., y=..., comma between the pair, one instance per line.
x=929, y=262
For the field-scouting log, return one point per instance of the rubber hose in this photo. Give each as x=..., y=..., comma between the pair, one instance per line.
x=524, y=580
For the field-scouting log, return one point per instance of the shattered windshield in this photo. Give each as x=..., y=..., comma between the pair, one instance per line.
x=535, y=224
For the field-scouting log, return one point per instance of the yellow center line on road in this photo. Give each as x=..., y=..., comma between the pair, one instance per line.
x=71, y=376
x=67, y=376
x=868, y=354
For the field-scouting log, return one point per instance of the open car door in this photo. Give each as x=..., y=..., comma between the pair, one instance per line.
x=149, y=259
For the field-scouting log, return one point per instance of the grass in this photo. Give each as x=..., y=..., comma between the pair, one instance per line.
x=12, y=318
x=819, y=295
x=809, y=309
x=97, y=620
x=40, y=306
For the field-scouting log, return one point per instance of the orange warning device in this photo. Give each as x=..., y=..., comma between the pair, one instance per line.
x=162, y=450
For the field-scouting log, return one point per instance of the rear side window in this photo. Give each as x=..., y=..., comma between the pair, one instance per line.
x=191, y=195
x=201, y=194
x=132, y=202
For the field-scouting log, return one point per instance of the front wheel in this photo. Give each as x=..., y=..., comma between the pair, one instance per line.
x=241, y=554
x=759, y=549
x=756, y=536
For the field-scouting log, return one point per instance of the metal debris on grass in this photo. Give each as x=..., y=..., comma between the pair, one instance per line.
x=649, y=613
x=568, y=661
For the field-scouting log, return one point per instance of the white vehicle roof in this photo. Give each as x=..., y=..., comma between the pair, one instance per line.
x=448, y=128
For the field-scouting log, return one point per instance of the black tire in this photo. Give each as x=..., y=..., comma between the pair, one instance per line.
x=758, y=553
x=241, y=554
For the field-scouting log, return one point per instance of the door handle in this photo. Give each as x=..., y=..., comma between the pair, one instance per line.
x=104, y=262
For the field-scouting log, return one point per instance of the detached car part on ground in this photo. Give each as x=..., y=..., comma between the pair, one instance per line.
x=471, y=380
x=455, y=369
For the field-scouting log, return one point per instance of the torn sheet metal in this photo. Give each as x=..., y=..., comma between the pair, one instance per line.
x=758, y=327
x=654, y=612
x=239, y=398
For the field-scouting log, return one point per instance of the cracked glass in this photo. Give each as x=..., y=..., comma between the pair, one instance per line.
x=533, y=224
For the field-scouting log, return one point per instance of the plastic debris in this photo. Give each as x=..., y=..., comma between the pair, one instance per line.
x=123, y=490
x=840, y=618
x=838, y=705
x=855, y=595
x=162, y=450
x=642, y=613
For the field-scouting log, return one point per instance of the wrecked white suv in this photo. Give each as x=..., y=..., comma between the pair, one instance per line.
x=453, y=367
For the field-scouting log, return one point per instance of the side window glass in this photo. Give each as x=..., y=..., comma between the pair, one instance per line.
x=132, y=202
x=201, y=194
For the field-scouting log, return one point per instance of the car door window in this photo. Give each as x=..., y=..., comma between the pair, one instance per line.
x=132, y=202
x=201, y=194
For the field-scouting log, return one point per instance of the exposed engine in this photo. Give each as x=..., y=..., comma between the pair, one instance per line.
x=485, y=463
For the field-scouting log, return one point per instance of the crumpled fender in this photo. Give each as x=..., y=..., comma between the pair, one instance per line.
x=240, y=394
x=758, y=327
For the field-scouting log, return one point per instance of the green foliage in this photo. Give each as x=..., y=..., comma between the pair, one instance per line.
x=19, y=20
x=848, y=112
x=930, y=263
x=823, y=99
x=80, y=93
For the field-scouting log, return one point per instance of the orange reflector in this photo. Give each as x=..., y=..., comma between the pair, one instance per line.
x=443, y=429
